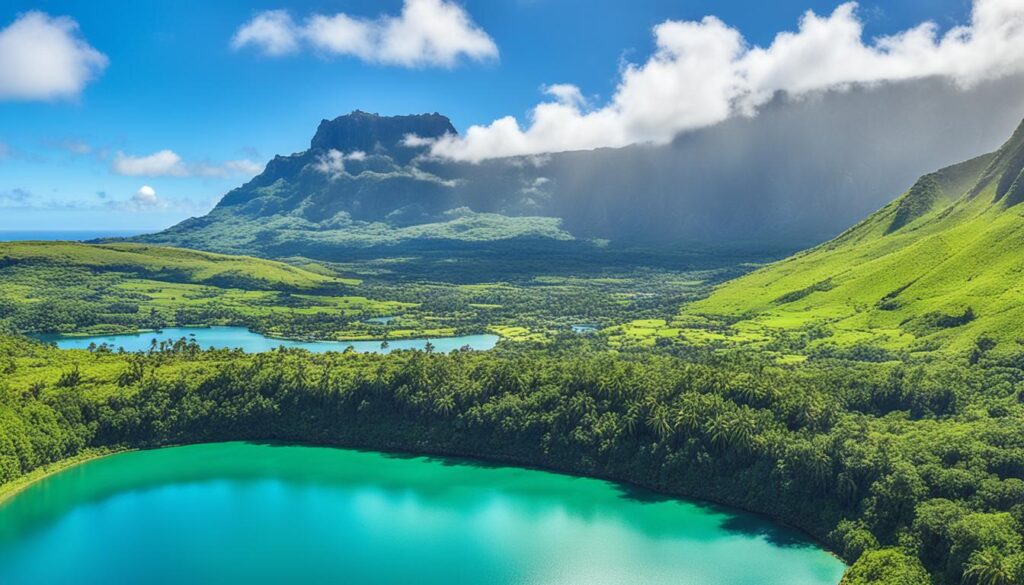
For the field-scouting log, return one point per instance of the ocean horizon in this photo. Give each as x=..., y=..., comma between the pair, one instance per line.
x=66, y=235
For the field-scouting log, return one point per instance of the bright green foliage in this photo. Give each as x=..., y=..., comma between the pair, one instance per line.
x=903, y=468
x=886, y=567
x=74, y=288
x=77, y=288
x=830, y=411
x=170, y=264
x=939, y=268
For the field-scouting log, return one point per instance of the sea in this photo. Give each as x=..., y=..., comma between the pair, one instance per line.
x=68, y=235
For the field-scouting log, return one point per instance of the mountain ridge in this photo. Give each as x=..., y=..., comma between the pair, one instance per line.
x=943, y=275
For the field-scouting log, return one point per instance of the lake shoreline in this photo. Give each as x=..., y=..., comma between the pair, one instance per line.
x=232, y=337
x=11, y=490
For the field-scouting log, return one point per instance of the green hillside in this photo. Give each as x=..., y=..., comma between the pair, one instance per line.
x=939, y=267
x=65, y=287
x=164, y=263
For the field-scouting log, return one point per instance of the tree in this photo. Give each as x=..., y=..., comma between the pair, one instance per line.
x=888, y=566
x=988, y=567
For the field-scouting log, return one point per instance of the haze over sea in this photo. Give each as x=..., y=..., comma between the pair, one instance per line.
x=71, y=235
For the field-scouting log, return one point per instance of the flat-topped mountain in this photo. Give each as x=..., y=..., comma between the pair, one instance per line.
x=370, y=133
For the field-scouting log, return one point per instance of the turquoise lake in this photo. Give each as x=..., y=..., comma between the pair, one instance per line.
x=262, y=513
x=240, y=337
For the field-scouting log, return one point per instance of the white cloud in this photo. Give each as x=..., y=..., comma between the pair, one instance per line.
x=427, y=32
x=158, y=164
x=167, y=163
x=273, y=32
x=46, y=58
x=566, y=93
x=145, y=200
x=702, y=73
x=243, y=167
x=333, y=163
x=416, y=141
x=145, y=196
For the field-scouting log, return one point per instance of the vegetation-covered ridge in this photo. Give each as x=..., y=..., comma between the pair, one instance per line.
x=914, y=474
x=938, y=268
x=168, y=264
x=64, y=287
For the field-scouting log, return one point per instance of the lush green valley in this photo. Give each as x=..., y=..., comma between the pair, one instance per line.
x=715, y=293
x=869, y=391
x=81, y=289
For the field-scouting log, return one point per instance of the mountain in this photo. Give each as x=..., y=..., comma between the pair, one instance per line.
x=939, y=267
x=359, y=185
x=796, y=174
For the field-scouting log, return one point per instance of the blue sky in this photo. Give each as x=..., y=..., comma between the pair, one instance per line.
x=174, y=82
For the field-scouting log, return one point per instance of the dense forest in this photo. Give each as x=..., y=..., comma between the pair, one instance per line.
x=910, y=471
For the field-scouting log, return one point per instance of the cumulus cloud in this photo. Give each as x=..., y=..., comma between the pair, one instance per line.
x=158, y=164
x=332, y=163
x=426, y=33
x=46, y=58
x=414, y=141
x=145, y=197
x=702, y=73
x=146, y=200
x=167, y=163
x=566, y=93
x=273, y=32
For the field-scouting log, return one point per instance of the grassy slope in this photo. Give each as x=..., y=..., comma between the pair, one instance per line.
x=186, y=265
x=80, y=288
x=899, y=279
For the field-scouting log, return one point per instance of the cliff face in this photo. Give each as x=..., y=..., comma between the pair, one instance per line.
x=373, y=134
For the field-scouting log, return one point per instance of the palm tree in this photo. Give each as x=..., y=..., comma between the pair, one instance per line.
x=632, y=417
x=688, y=417
x=742, y=430
x=987, y=567
x=444, y=404
x=661, y=422
x=718, y=431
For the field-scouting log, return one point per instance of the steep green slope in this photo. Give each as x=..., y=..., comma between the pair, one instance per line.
x=939, y=267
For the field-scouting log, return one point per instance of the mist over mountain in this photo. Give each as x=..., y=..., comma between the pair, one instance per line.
x=799, y=172
x=937, y=267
